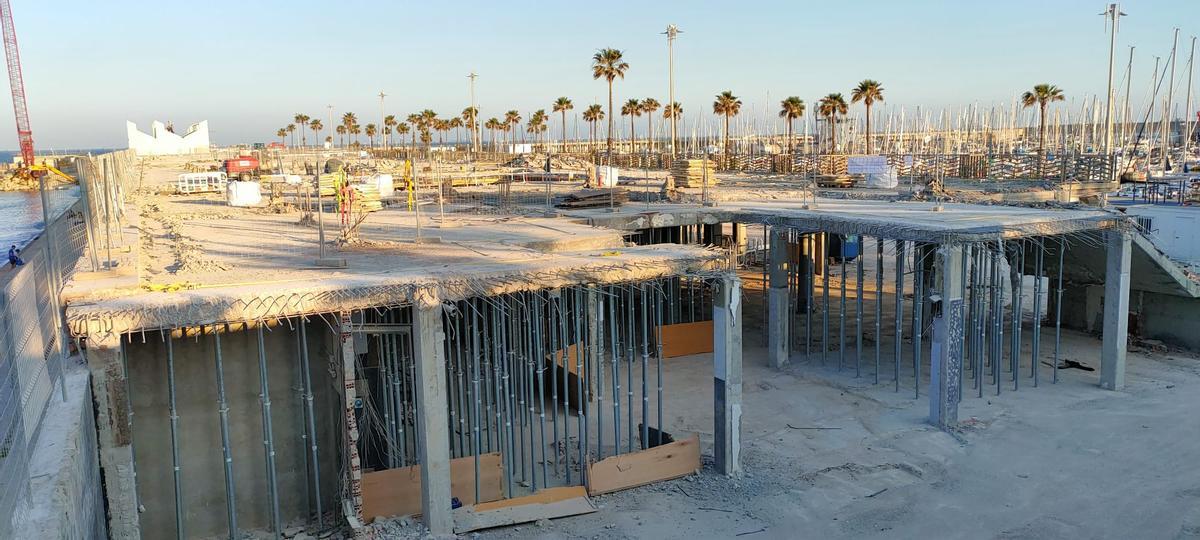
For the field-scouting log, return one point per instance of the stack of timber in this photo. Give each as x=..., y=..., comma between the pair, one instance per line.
x=690, y=173
x=367, y=198
x=836, y=181
x=594, y=198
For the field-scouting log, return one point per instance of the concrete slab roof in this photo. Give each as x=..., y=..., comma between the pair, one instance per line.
x=901, y=220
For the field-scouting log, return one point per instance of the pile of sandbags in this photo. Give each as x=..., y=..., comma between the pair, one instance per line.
x=690, y=173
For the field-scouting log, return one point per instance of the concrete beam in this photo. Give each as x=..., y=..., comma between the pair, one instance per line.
x=778, y=316
x=947, y=347
x=727, y=374
x=114, y=436
x=1116, y=310
x=433, y=436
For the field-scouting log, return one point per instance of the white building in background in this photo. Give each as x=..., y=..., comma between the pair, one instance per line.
x=161, y=142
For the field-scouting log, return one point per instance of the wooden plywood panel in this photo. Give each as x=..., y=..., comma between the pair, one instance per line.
x=687, y=338
x=625, y=471
x=546, y=504
x=397, y=492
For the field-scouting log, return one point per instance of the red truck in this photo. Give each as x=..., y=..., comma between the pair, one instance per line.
x=241, y=164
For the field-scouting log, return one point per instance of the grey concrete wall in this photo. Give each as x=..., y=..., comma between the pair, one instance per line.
x=65, y=499
x=200, y=436
x=1168, y=318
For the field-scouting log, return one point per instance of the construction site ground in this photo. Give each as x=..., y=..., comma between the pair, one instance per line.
x=830, y=455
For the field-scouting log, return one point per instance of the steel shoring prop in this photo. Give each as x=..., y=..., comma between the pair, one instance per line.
x=564, y=297
x=963, y=294
x=899, y=334
x=918, y=329
x=980, y=281
x=227, y=454
x=858, y=311
x=842, y=310
x=598, y=301
x=658, y=324
x=1062, y=248
x=311, y=426
x=1036, y=342
x=824, y=299
x=581, y=346
x=878, y=304
x=551, y=315
x=466, y=422
x=1018, y=287
x=630, y=347
x=268, y=436
x=540, y=361
x=997, y=314
x=382, y=344
x=645, y=312
x=612, y=299
x=810, y=288
x=176, y=468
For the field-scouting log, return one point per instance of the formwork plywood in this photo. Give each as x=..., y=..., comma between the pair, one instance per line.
x=397, y=492
x=684, y=339
x=546, y=504
x=625, y=471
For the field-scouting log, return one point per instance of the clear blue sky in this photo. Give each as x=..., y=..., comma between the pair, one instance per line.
x=248, y=66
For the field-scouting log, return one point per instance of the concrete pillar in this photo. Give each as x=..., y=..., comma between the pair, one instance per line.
x=114, y=435
x=433, y=435
x=727, y=374
x=777, y=301
x=1116, y=311
x=947, y=347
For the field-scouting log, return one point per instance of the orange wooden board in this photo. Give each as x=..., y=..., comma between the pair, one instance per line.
x=397, y=492
x=687, y=338
x=625, y=471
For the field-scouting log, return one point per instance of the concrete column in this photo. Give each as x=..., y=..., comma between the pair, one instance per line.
x=947, y=347
x=1116, y=311
x=114, y=435
x=433, y=435
x=727, y=374
x=777, y=301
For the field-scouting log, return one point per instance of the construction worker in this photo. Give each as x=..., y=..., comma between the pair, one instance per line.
x=14, y=257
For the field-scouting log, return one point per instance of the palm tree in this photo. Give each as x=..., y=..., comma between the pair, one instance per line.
x=468, y=116
x=594, y=113
x=371, y=131
x=389, y=122
x=355, y=130
x=428, y=121
x=301, y=120
x=650, y=106
x=401, y=129
x=727, y=105
x=632, y=109
x=511, y=118
x=562, y=105
x=868, y=92
x=316, y=126
x=791, y=109
x=492, y=125
x=1042, y=95
x=291, y=129
x=455, y=123
x=341, y=131
x=673, y=112
x=609, y=64
x=414, y=120
x=282, y=134
x=830, y=107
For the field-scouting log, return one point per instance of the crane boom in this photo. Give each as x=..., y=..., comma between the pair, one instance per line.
x=13, y=56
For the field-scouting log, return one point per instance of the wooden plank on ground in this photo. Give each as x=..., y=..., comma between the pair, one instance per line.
x=684, y=339
x=397, y=492
x=546, y=504
x=625, y=471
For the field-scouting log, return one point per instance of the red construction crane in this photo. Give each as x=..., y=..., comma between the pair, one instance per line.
x=24, y=132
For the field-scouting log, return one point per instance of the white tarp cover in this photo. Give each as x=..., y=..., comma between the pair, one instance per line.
x=866, y=165
x=886, y=179
x=607, y=175
x=243, y=193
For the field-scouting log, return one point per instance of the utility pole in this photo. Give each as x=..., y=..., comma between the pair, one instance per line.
x=381, y=126
x=474, y=113
x=1114, y=14
x=1187, y=108
x=331, y=130
x=1125, y=105
x=672, y=33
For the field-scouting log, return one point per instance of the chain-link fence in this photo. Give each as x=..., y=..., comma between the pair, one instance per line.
x=34, y=350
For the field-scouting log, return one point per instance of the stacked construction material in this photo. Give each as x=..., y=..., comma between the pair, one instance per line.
x=328, y=184
x=366, y=197
x=690, y=173
x=594, y=198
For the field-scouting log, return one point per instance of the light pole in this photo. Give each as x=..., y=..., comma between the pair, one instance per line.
x=474, y=113
x=1114, y=13
x=381, y=126
x=672, y=33
x=331, y=130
